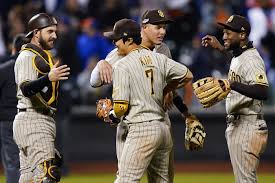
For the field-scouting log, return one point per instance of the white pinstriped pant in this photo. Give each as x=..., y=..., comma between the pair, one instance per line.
x=246, y=141
x=147, y=147
x=34, y=133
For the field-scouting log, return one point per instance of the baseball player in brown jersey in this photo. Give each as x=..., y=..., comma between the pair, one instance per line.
x=153, y=30
x=246, y=133
x=37, y=78
x=139, y=80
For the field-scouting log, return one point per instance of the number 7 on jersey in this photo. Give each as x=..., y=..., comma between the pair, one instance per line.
x=149, y=74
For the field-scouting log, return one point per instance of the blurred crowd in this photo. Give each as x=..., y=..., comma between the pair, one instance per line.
x=81, y=45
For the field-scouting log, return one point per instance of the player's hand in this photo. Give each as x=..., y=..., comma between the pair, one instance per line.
x=168, y=101
x=212, y=41
x=105, y=71
x=58, y=73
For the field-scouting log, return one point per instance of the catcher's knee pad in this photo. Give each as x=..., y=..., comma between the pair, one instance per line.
x=52, y=172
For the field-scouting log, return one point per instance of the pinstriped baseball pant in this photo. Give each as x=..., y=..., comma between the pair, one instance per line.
x=34, y=133
x=147, y=147
x=246, y=141
x=122, y=131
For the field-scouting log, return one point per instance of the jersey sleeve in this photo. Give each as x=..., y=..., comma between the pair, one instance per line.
x=111, y=58
x=95, y=79
x=163, y=49
x=175, y=70
x=121, y=85
x=24, y=69
x=255, y=71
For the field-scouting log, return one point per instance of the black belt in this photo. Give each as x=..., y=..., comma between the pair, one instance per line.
x=232, y=117
x=47, y=112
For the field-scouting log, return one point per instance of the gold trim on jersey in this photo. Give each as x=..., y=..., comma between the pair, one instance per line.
x=253, y=48
x=120, y=107
x=134, y=50
x=185, y=75
x=121, y=101
x=145, y=47
x=263, y=84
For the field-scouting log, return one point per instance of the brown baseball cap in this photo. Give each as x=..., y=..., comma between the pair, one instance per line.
x=155, y=17
x=124, y=28
x=237, y=23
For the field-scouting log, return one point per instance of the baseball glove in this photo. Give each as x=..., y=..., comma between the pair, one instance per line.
x=104, y=111
x=210, y=90
x=194, y=134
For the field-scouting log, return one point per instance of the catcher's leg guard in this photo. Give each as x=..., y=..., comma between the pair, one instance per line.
x=51, y=169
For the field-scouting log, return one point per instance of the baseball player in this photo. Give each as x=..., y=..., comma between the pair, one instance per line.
x=37, y=78
x=153, y=30
x=246, y=133
x=139, y=80
x=8, y=102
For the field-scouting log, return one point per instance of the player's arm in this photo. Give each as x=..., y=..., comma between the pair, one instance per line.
x=212, y=41
x=57, y=73
x=101, y=74
x=255, y=91
x=188, y=93
x=181, y=106
x=255, y=76
x=188, y=90
x=178, y=76
x=121, y=91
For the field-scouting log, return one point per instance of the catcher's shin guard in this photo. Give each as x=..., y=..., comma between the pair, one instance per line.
x=52, y=172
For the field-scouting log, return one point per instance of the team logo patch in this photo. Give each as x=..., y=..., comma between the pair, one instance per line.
x=260, y=78
x=161, y=14
x=146, y=20
x=230, y=19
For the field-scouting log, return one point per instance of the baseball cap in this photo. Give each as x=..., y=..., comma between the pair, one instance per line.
x=237, y=23
x=123, y=28
x=155, y=17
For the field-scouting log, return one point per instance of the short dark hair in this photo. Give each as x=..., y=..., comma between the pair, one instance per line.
x=19, y=40
x=136, y=39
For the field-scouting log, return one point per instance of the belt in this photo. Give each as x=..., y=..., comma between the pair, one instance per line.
x=44, y=111
x=232, y=117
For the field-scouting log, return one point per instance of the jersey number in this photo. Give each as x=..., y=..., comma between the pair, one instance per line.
x=149, y=74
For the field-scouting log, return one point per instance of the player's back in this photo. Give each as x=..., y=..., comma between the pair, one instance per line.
x=147, y=73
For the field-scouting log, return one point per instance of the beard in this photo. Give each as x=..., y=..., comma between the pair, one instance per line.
x=233, y=46
x=44, y=44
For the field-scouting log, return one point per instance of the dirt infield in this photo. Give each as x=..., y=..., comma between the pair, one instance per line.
x=111, y=167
